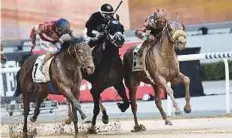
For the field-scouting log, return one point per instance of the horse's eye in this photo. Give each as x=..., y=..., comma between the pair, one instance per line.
x=80, y=52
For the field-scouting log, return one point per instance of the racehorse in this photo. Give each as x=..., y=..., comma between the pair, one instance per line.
x=160, y=65
x=108, y=72
x=65, y=74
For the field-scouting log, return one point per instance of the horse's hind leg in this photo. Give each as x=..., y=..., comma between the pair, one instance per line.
x=39, y=100
x=132, y=94
x=26, y=104
x=186, y=81
x=122, y=92
x=158, y=103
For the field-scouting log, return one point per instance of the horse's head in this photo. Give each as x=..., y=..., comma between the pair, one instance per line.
x=83, y=54
x=115, y=33
x=176, y=34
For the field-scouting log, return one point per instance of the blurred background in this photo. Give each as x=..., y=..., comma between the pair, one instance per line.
x=208, y=25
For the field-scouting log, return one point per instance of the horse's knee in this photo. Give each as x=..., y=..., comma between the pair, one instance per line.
x=186, y=80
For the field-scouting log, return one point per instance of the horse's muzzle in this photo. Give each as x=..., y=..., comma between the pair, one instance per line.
x=89, y=70
x=181, y=42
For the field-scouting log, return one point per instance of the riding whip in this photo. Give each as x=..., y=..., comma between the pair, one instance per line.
x=120, y=3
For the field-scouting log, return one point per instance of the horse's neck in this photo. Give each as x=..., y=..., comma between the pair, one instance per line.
x=66, y=59
x=110, y=49
x=166, y=48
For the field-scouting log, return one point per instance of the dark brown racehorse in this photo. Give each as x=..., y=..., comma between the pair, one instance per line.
x=109, y=71
x=160, y=66
x=65, y=74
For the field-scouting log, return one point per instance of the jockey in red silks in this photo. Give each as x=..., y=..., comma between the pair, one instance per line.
x=52, y=35
x=153, y=25
x=149, y=31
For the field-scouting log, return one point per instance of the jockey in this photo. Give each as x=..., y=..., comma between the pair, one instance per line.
x=149, y=31
x=97, y=22
x=52, y=35
x=153, y=25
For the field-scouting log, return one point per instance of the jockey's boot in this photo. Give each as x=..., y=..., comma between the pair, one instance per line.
x=47, y=57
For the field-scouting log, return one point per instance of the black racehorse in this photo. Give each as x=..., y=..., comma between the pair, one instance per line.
x=109, y=71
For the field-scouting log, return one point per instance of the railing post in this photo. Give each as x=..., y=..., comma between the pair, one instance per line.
x=227, y=88
x=169, y=103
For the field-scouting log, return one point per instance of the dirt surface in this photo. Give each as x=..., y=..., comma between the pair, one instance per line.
x=181, y=128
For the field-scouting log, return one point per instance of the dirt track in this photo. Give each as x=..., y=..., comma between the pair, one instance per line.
x=181, y=128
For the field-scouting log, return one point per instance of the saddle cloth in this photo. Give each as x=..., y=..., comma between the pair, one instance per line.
x=39, y=76
x=136, y=63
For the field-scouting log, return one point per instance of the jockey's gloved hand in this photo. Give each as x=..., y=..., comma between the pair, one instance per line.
x=151, y=37
x=65, y=37
x=100, y=35
x=148, y=32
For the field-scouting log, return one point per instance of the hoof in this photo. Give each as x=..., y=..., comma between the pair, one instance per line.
x=138, y=128
x=187, y=110
x=83, y=116
x=68, y=121
x=92, y=130
x=33, y=119
x=105, y=119
x=167, y=122
x=87, y=120
x=123, y=106
x=178, y=113
x=25, y=135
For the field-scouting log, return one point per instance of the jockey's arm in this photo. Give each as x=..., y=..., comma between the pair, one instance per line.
x=73, y=34
x=90, y=27
x=41, y=28
x=143, y=32
x=35, y=30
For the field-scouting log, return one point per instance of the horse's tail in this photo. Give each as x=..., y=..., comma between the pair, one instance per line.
x=17, y=91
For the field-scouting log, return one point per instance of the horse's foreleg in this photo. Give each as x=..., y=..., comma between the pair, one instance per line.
x=70, y=116
x=96, y=98
x=122, y=92
x=163, y=83
x=75, y=119
x=75, y=104
x=39, y=100
x=105, y=117
x=158, y=103
x=186, y=81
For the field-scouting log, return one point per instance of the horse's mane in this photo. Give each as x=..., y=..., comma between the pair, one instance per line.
x=72, y=42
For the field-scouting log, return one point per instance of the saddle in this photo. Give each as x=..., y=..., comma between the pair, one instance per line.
x=37, y=75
